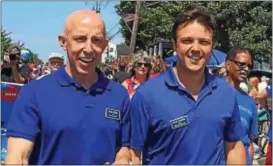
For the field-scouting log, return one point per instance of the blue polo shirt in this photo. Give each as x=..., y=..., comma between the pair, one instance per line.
x=70, y=124
x=249, y=119
x=170, y=127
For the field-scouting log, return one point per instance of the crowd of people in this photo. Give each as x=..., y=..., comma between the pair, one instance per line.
x=144, y=112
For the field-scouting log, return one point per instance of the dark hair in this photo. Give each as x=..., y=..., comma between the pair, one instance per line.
x=200, y=15
x=231, y=55
x=11, y=47
x=122, y=66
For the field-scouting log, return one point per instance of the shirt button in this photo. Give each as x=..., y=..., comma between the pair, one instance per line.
x=87, y=92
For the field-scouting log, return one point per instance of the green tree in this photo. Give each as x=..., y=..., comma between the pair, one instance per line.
x=5, y=41
x=33, y=58
x=244, y=23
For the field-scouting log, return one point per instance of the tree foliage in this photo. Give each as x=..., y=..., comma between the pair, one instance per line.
x=244, y=23
x=7, y=41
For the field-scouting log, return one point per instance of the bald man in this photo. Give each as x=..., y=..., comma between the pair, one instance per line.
x=75, y=115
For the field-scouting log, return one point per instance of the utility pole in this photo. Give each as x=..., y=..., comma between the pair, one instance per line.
x=135, y=26
x=96, y=8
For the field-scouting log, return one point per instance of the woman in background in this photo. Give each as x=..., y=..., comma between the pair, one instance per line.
x=140, y=72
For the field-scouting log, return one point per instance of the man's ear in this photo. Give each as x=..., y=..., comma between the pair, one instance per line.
x=62, y=41
x=227, y=64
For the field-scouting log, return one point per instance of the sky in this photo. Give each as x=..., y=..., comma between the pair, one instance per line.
x=38, y=23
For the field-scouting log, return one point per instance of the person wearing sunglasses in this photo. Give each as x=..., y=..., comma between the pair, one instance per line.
x=239, y=63
x=140, y=73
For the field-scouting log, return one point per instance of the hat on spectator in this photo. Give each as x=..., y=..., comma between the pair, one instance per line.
x=25, y=55
x=55, y=55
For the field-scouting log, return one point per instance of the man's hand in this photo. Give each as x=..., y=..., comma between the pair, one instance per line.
x=122, y=160
x=123, y=156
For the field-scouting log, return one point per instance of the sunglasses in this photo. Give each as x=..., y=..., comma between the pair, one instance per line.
x=140, y=64
x=242, y=65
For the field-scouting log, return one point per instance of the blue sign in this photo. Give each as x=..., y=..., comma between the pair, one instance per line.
x=9, y=92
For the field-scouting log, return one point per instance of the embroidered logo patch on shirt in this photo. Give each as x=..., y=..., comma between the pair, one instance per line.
x=179, y=122
x=112, y=114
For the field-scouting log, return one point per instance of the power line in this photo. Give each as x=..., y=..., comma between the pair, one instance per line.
x=115, y=34
x=113, y=27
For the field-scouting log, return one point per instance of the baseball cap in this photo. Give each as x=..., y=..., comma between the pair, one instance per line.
x=25, y=55
x=55, y=55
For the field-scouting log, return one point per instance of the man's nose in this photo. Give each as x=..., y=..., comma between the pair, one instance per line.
x=88, y=48
x=195, y=47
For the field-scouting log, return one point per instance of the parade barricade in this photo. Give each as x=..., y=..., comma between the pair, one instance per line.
x=9, y=92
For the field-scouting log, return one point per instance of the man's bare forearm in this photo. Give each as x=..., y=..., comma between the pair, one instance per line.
x=235, y=153
x=19, y=151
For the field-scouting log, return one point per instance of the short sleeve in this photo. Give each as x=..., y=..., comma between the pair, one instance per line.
x=233, y=131
x=24, y=119
x=254, y=123
x=125, y=122
x=139, y=120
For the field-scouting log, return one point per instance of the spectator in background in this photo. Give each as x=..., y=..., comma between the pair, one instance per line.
x=263, y=84
x=121, y=75
x=158, y=66
x=55, y=61
x=35, y=71
x=140, y=72
x=266, y=94
x=239, y=62
x=15, y=67
x=253, y=86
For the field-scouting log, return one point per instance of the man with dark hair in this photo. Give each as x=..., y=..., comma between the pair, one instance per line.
x=238, y=65
x=179, y=117
x=121, y=75
x=14, y=68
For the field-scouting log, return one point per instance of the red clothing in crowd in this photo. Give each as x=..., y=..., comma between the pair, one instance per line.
x=131, y=86
x=268, y=160
x=153, y=75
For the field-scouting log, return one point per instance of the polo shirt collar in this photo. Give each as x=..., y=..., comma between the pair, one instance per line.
x=65, y=80
x=171, y=80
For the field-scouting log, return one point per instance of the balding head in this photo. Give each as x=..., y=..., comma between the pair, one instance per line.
x=84, y=40
x=82, y=17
